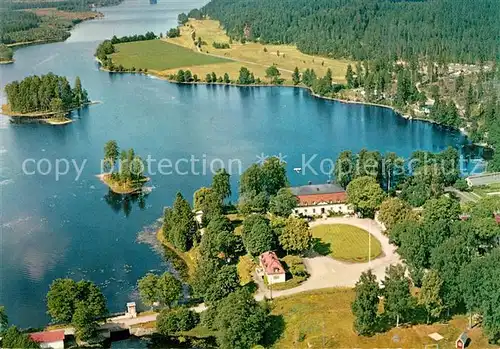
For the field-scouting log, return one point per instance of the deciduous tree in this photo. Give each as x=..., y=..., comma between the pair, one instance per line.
x=240, y=321
x=396, y=291
x=295, y=236
x=365, y=195
x=365, y=304
x=283, y=203
x=430, y=295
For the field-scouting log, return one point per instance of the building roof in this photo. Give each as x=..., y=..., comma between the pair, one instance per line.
x=484, y=179
x=271, y=263
x=315, y=189
x=47, y=336
x=311, y=200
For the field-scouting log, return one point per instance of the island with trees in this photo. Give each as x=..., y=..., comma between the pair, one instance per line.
x=123, y=170
x=54, y=98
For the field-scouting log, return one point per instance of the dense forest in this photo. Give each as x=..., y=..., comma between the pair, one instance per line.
x=453, y=30
x=46, y=93
x=65, y=5
x=17, y=25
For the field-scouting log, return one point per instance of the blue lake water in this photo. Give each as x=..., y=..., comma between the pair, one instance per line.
x=72, y=228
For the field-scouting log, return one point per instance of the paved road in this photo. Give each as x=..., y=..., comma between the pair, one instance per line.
x=325, y=272
x=464, y=196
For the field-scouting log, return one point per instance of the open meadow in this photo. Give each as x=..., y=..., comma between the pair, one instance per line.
x=166, y=56
x=159, y=55
x=329, y=324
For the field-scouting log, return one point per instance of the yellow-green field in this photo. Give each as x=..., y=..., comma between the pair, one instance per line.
x=159, y=55
x=166, y=56
x=345, y=242
x=323, y=319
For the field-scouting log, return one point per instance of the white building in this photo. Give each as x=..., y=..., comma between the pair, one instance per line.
x=272, y=267
x=49, y=339
x=319, y=199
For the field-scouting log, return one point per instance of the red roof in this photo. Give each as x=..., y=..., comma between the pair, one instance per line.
x=47, y=337
x=497, y=217
x=313, y=199
x=271, y=263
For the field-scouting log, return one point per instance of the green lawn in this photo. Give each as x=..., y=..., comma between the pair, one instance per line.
x=344, y=242
x=159, y=55
x=487, y=189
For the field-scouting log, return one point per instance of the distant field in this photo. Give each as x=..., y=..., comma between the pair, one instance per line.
x=345, y=242
x=159, y=55
x=255, y=56
x=323, y=319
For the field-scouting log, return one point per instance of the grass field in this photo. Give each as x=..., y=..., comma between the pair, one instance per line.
x=255, y=56
x=323, y=319
x=159, y=55
x=488, y=190
x=344, y=242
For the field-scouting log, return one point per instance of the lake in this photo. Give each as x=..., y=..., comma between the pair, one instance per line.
x=71, y=227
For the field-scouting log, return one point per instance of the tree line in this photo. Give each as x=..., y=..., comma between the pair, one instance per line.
x=46, y=93
x=367, y=29
x=453, y=256
x=451, y=251
x=65, y=5
x=24, y=26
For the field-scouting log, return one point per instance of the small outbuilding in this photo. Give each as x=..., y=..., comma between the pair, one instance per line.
x=49, y=339
x=272, y=267
x=461, y=341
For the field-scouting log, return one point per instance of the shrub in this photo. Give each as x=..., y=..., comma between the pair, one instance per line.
x=295, y=265
x=171, y=321
x=461, y=184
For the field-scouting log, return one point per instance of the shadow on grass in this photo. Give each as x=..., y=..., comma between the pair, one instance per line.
x=321, y=247
x=274, y=331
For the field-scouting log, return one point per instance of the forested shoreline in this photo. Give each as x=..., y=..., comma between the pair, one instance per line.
x=31, y=21
x=451, y=30
x=45, y=94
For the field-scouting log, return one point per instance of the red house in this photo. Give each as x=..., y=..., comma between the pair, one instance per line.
x=272, y=267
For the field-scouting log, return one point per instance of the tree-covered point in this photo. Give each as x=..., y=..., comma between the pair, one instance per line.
x=46, y=93
x=6, y=53
x=458, y=30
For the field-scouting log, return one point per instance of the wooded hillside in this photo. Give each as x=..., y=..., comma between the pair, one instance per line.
x=449, y=30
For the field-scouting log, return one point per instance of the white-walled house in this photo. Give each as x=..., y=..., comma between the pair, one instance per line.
x=49, y=339
x=319, y=199
x=272, y=268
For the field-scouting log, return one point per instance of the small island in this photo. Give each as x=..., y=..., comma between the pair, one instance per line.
x=48, y=98
x=6, y=54
x=129, y=177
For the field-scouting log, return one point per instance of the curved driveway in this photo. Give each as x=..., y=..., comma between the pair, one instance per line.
x=327, y=272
